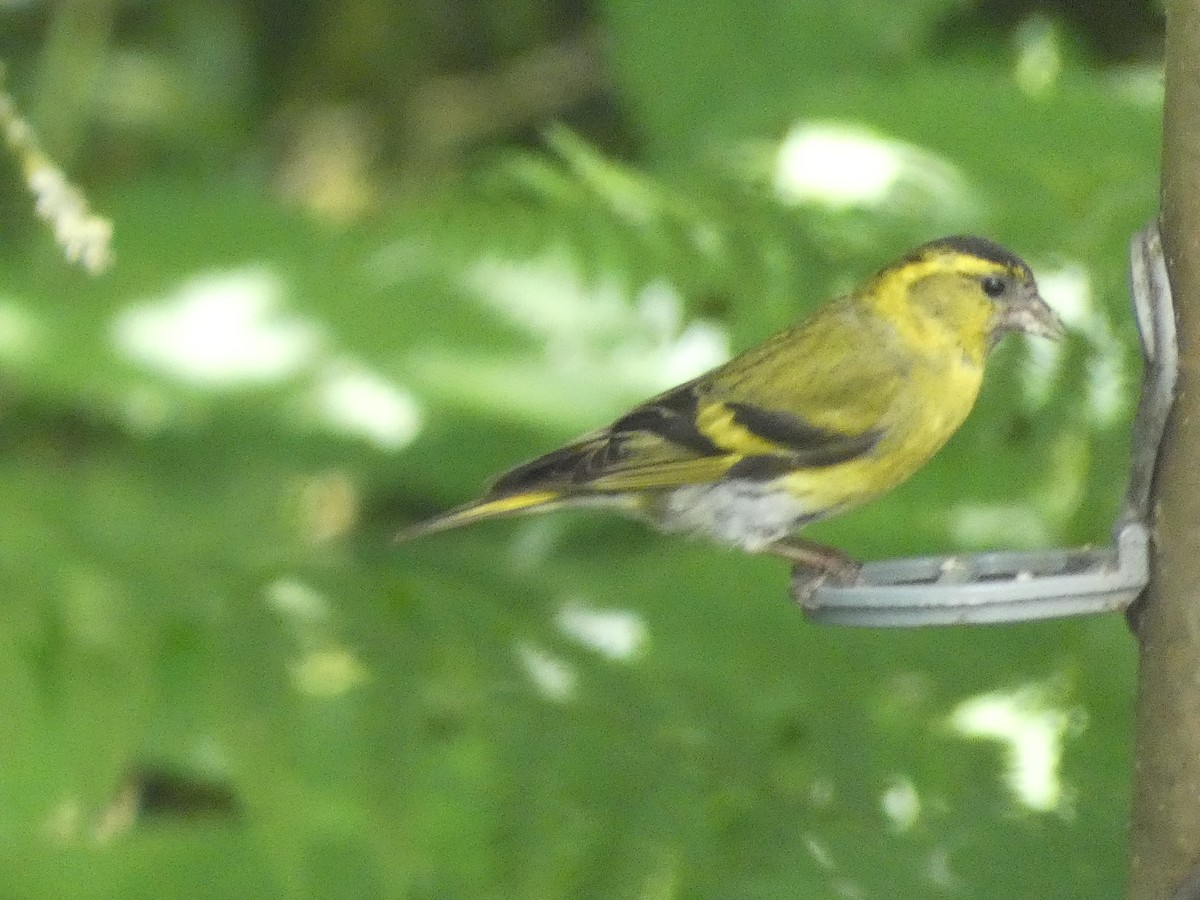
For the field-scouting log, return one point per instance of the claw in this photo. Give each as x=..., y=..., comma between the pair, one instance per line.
x=806, y=581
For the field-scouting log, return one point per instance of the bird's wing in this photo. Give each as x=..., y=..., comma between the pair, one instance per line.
x=656, y=444
x=688, y=435
x=818, y=395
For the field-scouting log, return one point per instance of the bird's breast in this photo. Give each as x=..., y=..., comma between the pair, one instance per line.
x=924, y=415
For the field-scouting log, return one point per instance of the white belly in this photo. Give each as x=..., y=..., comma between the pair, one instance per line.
x=747, y=514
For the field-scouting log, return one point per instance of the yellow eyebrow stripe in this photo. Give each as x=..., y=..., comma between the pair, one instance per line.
x=912, y=272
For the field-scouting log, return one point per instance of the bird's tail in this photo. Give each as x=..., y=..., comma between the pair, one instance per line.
x=487, y=508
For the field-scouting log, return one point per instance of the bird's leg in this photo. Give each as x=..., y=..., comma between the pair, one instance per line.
x=814, y=564
x=818, y=558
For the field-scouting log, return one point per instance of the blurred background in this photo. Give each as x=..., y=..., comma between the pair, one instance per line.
x=367, y=254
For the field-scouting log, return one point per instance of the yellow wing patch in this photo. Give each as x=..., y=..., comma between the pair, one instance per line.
x=716, y=422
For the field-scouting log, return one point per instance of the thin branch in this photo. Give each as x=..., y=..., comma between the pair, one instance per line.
x=84, y=237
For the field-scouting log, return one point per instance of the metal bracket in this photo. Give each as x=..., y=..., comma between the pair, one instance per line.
x=1021, y=586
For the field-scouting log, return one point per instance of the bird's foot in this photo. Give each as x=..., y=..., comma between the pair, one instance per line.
x=813, y=565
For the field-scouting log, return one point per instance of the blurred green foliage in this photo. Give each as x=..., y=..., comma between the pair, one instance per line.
x=357, y=273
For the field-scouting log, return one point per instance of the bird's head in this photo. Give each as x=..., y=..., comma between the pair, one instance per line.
x=973, y=289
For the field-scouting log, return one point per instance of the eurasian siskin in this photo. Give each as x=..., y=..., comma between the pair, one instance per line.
x=816, y=420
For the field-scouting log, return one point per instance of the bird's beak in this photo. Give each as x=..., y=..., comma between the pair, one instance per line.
x=1030, y=314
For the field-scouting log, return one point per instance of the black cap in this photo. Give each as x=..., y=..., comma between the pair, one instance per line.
x=981, y=248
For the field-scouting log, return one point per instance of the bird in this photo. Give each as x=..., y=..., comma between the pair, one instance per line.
x=818, y=419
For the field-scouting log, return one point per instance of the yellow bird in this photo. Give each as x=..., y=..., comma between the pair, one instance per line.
x=818, y=419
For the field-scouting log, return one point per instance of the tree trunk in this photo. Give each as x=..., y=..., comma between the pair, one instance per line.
x=1166, y=790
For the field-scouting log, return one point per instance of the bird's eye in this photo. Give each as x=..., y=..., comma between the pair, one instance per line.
x=993, y=285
